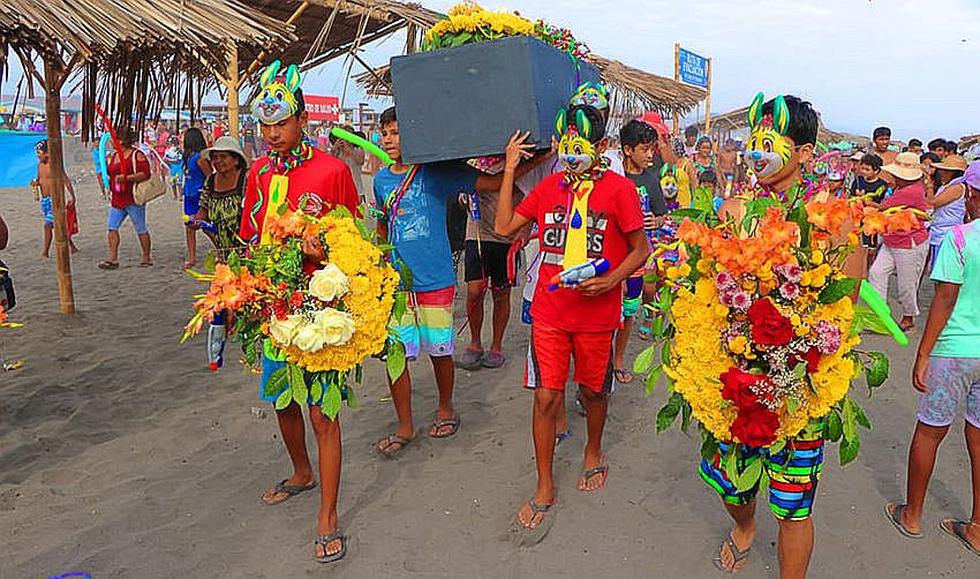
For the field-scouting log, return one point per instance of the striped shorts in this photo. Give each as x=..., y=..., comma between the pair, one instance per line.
x=793, y=475
x=427, y=325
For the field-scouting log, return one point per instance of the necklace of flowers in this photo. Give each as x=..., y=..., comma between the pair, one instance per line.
x=284, y=163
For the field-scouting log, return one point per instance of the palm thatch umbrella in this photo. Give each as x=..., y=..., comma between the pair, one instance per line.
x=121, y=37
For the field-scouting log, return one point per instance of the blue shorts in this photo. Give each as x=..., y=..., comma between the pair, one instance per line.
x=192, y=205
x=269, y=367
x=47, y=211
x=136, y=214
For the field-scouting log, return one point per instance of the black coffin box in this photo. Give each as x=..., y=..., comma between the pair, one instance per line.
x=464, y=102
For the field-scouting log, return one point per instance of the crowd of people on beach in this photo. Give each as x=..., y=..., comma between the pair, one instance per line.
x=522, y=209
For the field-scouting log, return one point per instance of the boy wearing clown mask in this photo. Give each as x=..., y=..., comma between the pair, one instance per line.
x=305, y=179
x=784, y=133
x=584, y=212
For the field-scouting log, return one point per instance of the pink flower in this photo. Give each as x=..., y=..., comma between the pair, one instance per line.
x=789, y=291
x=726, y=298
x=741, y=301
x=792, y=273
x=829, y=337
x=725, y=281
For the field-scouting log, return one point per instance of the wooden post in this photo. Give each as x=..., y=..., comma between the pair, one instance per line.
x=411, y=41
x=54, y=77
x=707, y=103
x=677, y=77
x=231, y=83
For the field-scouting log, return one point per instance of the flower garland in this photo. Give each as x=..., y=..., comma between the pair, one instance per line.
x=325, y=316
x=759, y=335
x=284, y=163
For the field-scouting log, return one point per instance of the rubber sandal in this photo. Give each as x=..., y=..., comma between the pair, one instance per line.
x=894, y=515
x=622, y=376
x=737, y=554
x=470, y=359
x=493, y=360
x=325, y=540
x=562, y=437
x=289, y=490
x=108, y=265
x=385, y=445
x=530, y=536
x=587, y=475
x=441, y=423
x=146, y=264
x=957, y=530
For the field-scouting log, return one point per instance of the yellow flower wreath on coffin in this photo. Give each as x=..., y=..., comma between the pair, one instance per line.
x=371, y=295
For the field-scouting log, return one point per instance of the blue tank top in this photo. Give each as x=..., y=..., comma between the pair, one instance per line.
x=193, y=177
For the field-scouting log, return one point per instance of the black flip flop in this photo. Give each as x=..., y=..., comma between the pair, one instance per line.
x=737, y=554
x=109, y=265
x=441, y=423
x=290, y=491
x=895, y=517
x=325, y=540
x=392, y=440
x=956, y=529
x=530, y=536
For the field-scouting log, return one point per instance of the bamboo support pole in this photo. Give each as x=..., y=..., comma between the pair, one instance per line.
x=234, y=123
x=54, y=77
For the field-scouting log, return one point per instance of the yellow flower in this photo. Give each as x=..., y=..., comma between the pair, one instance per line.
x=806, y=279
x=705, y=267
x=795, y=320
x=685, y=270
x=673, y=272
x=816, y=257
x=852, y=239
x=738, y=344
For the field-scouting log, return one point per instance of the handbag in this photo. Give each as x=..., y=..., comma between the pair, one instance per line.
x=7, y=298
x=155, y=186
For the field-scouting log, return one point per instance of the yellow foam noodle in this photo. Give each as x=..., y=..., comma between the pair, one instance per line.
x=577, y=242
x=278, y=188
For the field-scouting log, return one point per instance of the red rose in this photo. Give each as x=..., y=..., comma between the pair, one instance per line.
x=738, y=387
x=755, y=426
x=769, y=327
x=812, y=358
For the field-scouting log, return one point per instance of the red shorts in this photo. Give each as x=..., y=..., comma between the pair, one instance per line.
x=551, y=349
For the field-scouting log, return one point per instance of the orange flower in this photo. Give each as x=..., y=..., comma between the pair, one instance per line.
x=872, y=221
x=828, y=216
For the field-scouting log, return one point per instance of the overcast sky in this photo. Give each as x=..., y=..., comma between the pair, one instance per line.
x=910, y=64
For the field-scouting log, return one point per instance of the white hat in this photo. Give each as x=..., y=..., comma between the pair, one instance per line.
x=226, y=144
x=906, y=166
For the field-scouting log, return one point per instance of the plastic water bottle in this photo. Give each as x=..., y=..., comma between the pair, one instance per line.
x=216, y=343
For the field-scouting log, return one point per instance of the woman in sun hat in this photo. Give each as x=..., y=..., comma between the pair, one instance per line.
x=222, y=194
x=903, y=253
x=948, y=201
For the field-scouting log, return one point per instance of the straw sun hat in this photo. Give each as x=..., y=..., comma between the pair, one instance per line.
x=225, y=144
x=952, y=163
x=906, y=167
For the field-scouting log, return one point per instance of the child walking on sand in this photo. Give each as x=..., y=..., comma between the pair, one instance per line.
x=947, y=373
x=43, y=185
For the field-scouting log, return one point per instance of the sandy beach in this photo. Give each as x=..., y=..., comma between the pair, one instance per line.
x=122, y=456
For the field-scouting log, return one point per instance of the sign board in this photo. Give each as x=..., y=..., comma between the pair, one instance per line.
x=693, y=68
x=322, y=108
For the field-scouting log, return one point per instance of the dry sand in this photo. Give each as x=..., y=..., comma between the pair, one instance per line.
x=122, y=456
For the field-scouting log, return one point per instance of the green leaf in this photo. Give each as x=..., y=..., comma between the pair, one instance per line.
x=210, y=262
x=396, y=360
x=709, y=445
x=876, y=371
x=850, y=421
x=665, y=354
x=697, y=215
x=351, y=398
x=860, y=416
x=748, y=478
x=685, y=416
x=755, y=209
x=865, y=319
x=668, y=413
x=297, y=383
x=837, y=289
x=799, y=217
x=657, y=327
x=792, y=405
x=277, y=381
x=849, y=450
x=833, y=427
x=643, y=361
x=331, y=401
x=777, y=447
x=284, y=399
x=400, y=307
x=653, y=378
x=316, y=391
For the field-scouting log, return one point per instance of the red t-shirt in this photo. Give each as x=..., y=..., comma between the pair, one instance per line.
x=913, y=196
x=614, y=212
x=122, y=193
x=323, y=182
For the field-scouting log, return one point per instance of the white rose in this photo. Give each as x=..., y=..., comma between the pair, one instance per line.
x=309, y=338
x=283, y=331
x=329, y=283
x=336, y=327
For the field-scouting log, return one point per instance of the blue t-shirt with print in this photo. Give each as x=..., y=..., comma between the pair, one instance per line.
x=418, y=231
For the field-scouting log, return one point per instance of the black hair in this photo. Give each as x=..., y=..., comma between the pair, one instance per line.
x=691, y=131
x=952, y=147
x=300, y=101
x=882, y=132
x=703, y=139
x=803, y=120
x=914, y=143
x=636, y=133
x=595, y=117
x=707, y=178
x=930, y=156
x=388, y=116
x=42, y=146
x=194, y=142
x=937, y=144
x=872, y=160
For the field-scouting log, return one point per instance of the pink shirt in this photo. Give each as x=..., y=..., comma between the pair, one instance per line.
x=913, y=196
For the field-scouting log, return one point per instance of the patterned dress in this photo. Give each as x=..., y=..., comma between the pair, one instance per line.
x=224, y=210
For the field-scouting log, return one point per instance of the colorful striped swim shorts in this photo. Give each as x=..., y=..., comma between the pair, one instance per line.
x=427, y=325
x=793, y=475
